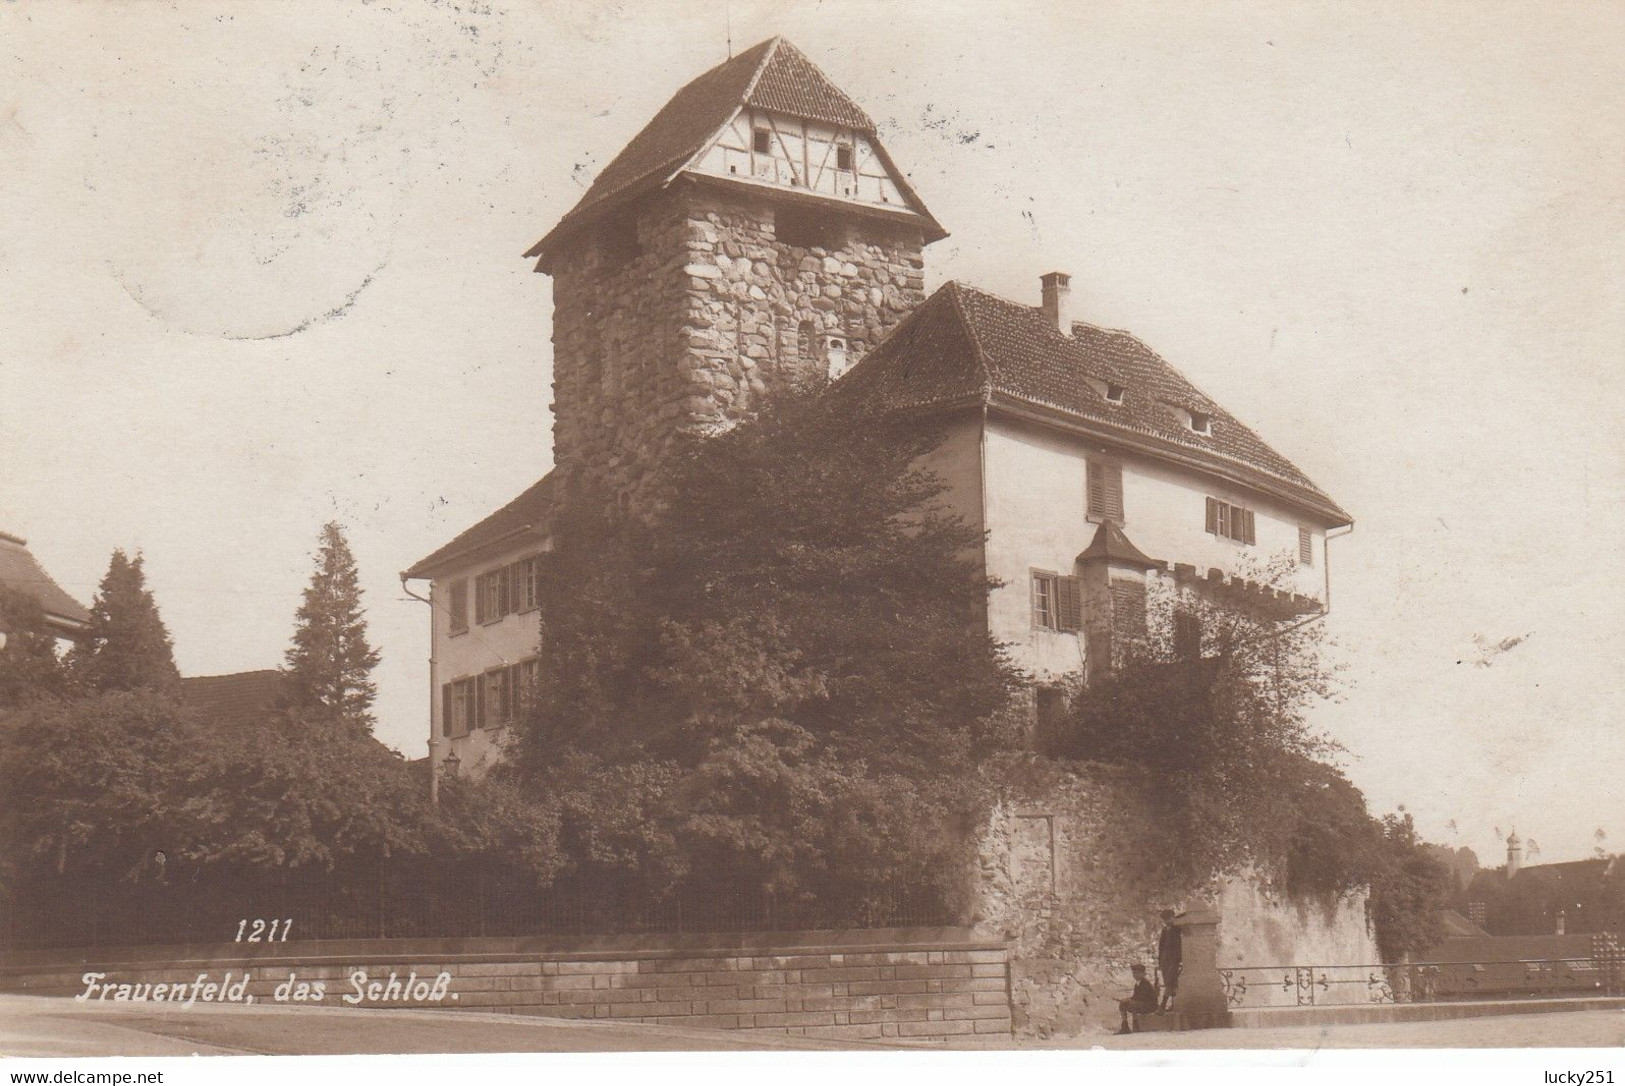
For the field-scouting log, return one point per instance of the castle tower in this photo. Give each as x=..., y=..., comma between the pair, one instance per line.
x=1514, y=853
x=755, y=232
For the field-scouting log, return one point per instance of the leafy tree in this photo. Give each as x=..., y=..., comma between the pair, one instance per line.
x=30, y=667
x=329, y=665
x=791, y=635
x=93, y=785
x=1409, y=889
x=127, y=647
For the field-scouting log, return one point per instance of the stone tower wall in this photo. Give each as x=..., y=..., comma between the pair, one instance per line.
x=712, y=315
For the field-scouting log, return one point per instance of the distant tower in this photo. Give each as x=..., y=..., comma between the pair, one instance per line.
x=753, y=233
x=1514, y=853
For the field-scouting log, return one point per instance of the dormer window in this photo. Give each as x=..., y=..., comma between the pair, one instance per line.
x=1201, y=422
x=1114, y=393
x=762, y=141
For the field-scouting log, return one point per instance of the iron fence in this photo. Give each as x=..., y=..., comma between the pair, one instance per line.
x=1600, y=973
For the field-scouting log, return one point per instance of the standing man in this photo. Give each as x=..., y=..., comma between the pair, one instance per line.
x=1168, y=958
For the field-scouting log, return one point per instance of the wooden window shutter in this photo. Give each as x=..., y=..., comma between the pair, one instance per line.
x=1114, y=492
x=479, y=598
x=1306, y=546
x=1071, y=604
x=1248, y=533
x=448, y=708
x=458, y=605
x=1213, y=516
x=1105, y=485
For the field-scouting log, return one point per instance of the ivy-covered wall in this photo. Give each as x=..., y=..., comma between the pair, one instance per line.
x=1073, y=871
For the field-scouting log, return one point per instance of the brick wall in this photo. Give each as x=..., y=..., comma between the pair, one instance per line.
x=909, y=984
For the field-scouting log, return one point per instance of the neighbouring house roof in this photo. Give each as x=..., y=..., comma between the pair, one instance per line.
x=964, y=347
x=239, y=701
x=526, y=514
x=1456, y=926
x=772, y=75
x=1112, y=545
x=21, y=572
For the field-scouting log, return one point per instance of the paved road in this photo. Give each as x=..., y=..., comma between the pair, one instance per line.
x=1564, y=1029
x=36, y=1026
x=33, y=1026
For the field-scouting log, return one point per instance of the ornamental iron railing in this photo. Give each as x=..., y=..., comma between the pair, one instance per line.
x=1600, y=973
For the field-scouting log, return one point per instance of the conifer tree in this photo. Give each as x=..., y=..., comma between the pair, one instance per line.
x=128, y=647
x=329, y=665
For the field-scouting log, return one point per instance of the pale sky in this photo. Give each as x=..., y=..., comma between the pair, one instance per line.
x=260, y=268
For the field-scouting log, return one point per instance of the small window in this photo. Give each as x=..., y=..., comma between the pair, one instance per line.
x=1187, y=635
x=491, y=595
x=835, y=356
x=843, y=157
x=1201, y=422
x=1105, y=485
x=1306, y=546
x=458, y=594
x=1050, y=703
x=527, y=584
x=1231, y=521
x=762, y=141
x=1114, y=393
x=459, y=707
x=1057, y=602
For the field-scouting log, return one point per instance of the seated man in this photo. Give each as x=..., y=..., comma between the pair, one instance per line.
x=1142, y=1001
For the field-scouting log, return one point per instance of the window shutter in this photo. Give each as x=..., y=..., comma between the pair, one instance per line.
x=1097, y=488
x=448, y=707
x=1071, y=604
x=1114, y=492
x=1213, y=516
x=1306, y=547
x=457, y=605
x=479, y=598
x=1248, y=533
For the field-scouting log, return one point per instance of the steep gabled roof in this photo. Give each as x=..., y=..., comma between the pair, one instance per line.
x=527, y=513
x=963, y=346
x=21, y=572
x=772, y=75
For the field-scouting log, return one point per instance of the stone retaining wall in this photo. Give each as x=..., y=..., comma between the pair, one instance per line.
x=917, y=984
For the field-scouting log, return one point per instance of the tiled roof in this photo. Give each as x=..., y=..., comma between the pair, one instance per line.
x=772, y=75
x=527, y=512
x=21, y=572
x=964, y=346
x=242, y=700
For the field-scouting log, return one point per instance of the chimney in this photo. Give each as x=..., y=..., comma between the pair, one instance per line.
x=1057, y=300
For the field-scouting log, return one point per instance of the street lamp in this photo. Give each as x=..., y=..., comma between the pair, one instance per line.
x=452, y=764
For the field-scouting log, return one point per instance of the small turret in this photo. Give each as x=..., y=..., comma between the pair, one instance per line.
x=1514, y=853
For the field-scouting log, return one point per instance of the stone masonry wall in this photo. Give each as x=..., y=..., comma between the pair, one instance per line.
x=934, y=984
x=711, y=315
x=1073, y=872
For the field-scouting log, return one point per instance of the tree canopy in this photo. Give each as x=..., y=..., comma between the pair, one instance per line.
x=328, y=674
x=776, y=677
x=127, y=647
